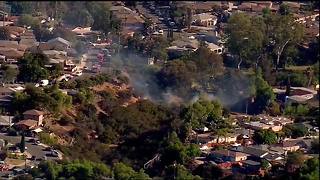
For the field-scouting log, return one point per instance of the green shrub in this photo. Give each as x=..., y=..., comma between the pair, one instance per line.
x=47, y=139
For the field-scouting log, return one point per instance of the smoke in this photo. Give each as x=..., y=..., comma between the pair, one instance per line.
x=231, y=88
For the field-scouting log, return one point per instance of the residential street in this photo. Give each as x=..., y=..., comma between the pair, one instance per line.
x=34, y=150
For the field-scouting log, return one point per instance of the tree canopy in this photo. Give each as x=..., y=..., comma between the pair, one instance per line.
x=265, y=137
x=31, y=68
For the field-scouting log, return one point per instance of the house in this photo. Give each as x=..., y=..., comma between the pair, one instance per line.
x=11, y=50
x=27, y=124
x=258, y=125
x=204, y=19
x=227, y=155
x=131, y=21
x=251, y=166
x=28, y=39
x=204, y=7
x=215, y=48
x=293, y=6
x=273, y=157
x=59, y=44
x=297, y=144
x=252, y=151
x=15, y=31
x=5, y=96
x=6, y=121
x=34, y=115
x=230, y=138
x=181, y=47
x=86, y=31
x=264, y=118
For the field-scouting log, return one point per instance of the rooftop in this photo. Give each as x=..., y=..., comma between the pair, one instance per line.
x=33, y=112
x=203, y=17
x=229, y=153
x=5, y=120
x=252, y=163
x=28, y=122
x=251, y=151
x=59, y=39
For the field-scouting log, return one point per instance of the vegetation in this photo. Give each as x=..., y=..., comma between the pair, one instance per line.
x=298, y=110
x=310, y=169
x=265, y=137
x=250, y=38
x=4, y=33
x=175, y=151
x=51, y=99
x=46, y=138
x=122, y=171
x=75, y=170
x=22, y=143
x=295, y=130
x=31, y=68
x=9, y=74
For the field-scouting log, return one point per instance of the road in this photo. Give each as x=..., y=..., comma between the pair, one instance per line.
x=34, y=150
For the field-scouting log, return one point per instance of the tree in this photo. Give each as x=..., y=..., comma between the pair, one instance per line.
x=188, y=17
x=265, y=136
x=57, y=70
x=179, y=172
x=297, y=110
x=284, y=9
x=64, y=33
x=285, y=32
x=22, y=7
x=209, y=171
x=4, y=33
x=51, y=99
x=78, y=17
x=103, y=19
x=175, y=151
x=28, y=20
x=315, y=146
x=310, y=169
x=295, y=130
x=31, y=68
x=201, y=113
x=295, y=160
x=245, y=37
x=22, y=143
x=264, y=95
x=124, y=172
x=9, y=73
x=74, y=170
x=177, y=74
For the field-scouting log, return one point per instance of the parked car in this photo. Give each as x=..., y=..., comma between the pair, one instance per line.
x=54, y=153
x=18, y=171
x=37, y=142
x=33, y=158
x=48, y=149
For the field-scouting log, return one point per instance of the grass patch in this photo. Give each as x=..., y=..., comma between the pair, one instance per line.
x=297, y=68
x=46, y=138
